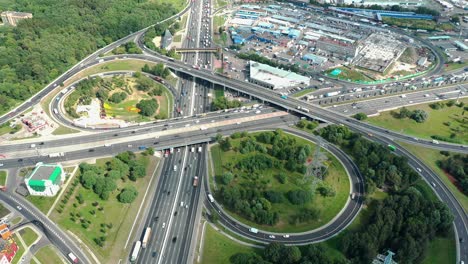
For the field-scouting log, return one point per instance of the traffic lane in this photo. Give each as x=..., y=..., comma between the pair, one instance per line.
x=178, y=173
x=186, y=225
x=138, y=130
x=152, y=217
x=159, y=210
x=179, y=224
x=176, y=140
x=49, y=228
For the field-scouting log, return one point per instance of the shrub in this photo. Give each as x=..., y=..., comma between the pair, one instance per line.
x=299, y=196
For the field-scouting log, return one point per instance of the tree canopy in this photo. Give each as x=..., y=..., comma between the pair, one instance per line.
x=61, y=33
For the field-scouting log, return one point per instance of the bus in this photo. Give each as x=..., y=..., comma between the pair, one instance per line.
x=211, y=197
x=391, y=147
x=146, y=237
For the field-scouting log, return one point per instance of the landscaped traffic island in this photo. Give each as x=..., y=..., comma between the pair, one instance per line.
x=128, y=99
x=261, y=181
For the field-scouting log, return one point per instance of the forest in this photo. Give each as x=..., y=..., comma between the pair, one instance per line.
x=61, y=33
x=276, y=253
x=457, y=166
x=404, y=222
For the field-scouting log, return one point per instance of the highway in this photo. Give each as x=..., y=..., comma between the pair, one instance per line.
x=198, y=137
x=177, y=212
x=56, y=235
x=331, y=229
x=375, y=105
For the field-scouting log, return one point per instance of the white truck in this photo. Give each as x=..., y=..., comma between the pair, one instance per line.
x=136, y=251
x=73, y=257
x=56, y=155
x=253, y=230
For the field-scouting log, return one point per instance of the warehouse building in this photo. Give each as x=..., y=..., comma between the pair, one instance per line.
x=45, y=179
x=274, y=78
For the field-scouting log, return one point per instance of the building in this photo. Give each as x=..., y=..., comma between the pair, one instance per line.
x=336, y=48
x=446, y=46
x=274, y=78
x=314, y=59
x=11, y=18
x=422, y=61
x=460, y=45
x=45, y=179
x=382, y=259
x=166, y=40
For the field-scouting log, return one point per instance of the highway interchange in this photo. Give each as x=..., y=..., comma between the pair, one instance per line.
x=175, y=184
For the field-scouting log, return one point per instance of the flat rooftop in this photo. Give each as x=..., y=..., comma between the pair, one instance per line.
x=45, y=172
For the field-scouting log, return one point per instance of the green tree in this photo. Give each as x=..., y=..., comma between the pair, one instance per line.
x=88, y=179
x=227, y=178
x=360, y=116
x=128, y=195
x=147, y=107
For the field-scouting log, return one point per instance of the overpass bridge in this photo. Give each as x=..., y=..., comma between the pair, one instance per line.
x=188, y=50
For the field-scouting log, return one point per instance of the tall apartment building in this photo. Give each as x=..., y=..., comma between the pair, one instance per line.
x=11, y=18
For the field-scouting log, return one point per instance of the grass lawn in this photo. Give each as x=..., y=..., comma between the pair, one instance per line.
x=63, y=130
x=441, y=250
x=303, y=92
x=16, y=220
x=218, y=248
x=177, y=38
x=434, y=125
x=3, y=211
x=350, y=75
x=42, y=203
x=429, y=157
x=219, y=3
x=5, y=130
x=120, y=215
x=20, y=251
x=28, y=235
x=328, y=206
x=455, y=65
x=3, y=177
x=48, y=254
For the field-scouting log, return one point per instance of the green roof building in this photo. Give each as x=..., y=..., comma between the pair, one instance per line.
x=45, y=179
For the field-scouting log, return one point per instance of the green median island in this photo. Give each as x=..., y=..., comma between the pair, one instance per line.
x=132, y=99
x=442, y=120
x=266, y=180
x=100, y=205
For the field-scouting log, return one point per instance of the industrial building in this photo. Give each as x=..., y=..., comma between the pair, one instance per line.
x=274, y=78
x=336, y=48
x=11, y=18
x=45, y=179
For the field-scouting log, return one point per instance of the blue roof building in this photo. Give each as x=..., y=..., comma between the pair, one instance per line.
x=314, y=58
x=294, y=33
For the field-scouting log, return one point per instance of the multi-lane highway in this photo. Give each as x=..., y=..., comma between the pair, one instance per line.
x=176, y=234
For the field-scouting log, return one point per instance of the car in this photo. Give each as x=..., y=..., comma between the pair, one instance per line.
x=91, y=150
x=271, y=236
x=156, y=218
x=1, y=164
x=175, y=213
x=164, y=225
x=18, y=207
x=174, y=239
x=154, y=254
x=20, y=160
x=286, y=236
x=42, y=143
